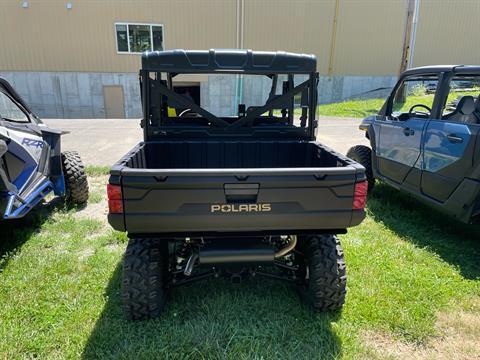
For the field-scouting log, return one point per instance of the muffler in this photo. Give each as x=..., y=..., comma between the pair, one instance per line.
x=243, y=250
x=236, y=256
x=249, y=251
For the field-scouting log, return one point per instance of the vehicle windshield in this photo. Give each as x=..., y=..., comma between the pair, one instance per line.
x=230, y=101
x=9, y=111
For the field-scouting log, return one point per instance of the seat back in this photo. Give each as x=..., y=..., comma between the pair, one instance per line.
x=3, y=147
x=477, y=109
x=464, y=111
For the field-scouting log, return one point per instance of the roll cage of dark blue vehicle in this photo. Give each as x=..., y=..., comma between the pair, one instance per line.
x=444, y=72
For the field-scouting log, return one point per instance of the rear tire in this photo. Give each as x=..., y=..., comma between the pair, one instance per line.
x=145, y=273
x=322, y=272
x=363, y=155
x=76, y=184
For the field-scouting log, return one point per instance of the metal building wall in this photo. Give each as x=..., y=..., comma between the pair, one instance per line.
x=367, y=40
x=297, y=26
x=369, y=37
x=59, y=59
x=47, y=36
x=447, y=32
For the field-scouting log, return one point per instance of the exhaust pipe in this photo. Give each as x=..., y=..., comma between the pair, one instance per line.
x=190, y=262
x=291, y=245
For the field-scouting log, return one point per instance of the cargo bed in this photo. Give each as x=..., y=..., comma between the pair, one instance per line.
x=232, y=154
x=208, y=187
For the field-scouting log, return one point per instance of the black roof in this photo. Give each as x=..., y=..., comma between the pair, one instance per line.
x=228, y=61
x=434, y=69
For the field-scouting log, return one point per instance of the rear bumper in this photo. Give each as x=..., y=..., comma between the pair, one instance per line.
x=117, y=221
x=207, y=224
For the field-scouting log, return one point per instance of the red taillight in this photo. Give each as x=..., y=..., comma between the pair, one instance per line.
x=115, y=202
x=360, y=195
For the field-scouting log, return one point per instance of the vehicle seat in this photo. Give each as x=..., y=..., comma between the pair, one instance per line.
x=477, y=109
x=464, y=111
x=283, y=105
x=3, y=148
x=5, y=184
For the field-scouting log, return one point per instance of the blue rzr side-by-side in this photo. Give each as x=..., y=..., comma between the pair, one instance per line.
x=31, y=162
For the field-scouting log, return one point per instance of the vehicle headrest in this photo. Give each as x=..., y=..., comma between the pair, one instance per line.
x=477, y=103
x=466, y=105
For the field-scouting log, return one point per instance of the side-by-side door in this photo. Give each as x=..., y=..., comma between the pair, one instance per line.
x=398, y=147
x=449, y=145
x=400, y=132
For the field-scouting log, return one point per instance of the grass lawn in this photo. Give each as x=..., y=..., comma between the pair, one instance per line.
x=352, y=108
x=361, y=108
x=413, y=292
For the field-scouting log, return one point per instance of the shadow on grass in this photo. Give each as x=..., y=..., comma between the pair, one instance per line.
x=456, y=243
x=14, y=233
x=216, y=320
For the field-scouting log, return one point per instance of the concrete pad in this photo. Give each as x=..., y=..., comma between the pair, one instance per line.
x=340, y=133
x=102, y=142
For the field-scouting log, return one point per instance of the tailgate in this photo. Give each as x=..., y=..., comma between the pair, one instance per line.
x=204, y=201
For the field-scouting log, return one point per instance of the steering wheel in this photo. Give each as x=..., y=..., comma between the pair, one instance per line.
x=189, y=112
x=420, y=113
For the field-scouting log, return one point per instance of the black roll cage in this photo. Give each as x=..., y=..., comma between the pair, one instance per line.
x=158, y=95
x=243, y=125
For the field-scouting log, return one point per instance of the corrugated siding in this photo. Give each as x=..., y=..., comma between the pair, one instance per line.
x=447, y=33
x=48, y=37
x=298, y=26
x=369, y=37
x=369, y=33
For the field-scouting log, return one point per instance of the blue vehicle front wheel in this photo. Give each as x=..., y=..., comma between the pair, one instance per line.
x=363, y=155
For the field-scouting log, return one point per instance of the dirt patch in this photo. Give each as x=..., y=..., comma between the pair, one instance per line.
x=85, y=253
x=97, y=209
x=459, y=338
